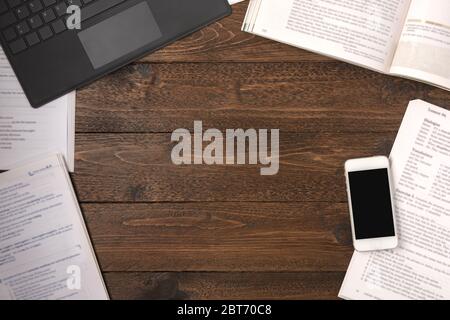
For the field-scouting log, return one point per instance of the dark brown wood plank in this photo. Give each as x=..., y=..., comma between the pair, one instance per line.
x=295, y=97
x=138, y=167
x=224, y=41
x=223, y=286
x=220, y=236
x=220, y=232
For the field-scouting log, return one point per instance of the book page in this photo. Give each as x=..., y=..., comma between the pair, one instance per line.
x=357, y=31
x=423, y=52
x=420, y=267
x=26, y=133
x=45, y=252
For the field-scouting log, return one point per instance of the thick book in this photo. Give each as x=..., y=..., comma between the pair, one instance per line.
x=406, y=38
x=45, y=251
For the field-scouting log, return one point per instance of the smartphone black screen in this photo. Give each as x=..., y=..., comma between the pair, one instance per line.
x=371, y=204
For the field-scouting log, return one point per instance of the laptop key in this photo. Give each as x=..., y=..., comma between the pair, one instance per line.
x=17, y=46
x=45, y=32
x=32, y=39
x=35, y=6
x=3, y=6
x=22, y=12
x=48, y=15
x=7, y=19
x=61, y=9
x=48, y=3
x=58, y=26
x=22, y=28
x=9, y=34
x=35, y=22
x=14, y=3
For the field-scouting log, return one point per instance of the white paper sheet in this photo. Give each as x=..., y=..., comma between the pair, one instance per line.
x=45, y=252
x=420, y=267
x=26, y=133
x=423, y=51
x=364, y=33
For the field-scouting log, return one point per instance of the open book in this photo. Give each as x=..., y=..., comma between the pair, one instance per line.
x=420, y=267
x=45, y=251
x=407, y=38
x=26, y=133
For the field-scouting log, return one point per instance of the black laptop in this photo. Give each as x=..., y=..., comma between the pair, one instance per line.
x=51, y=60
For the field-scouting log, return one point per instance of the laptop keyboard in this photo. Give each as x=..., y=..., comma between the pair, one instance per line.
x=28, y=23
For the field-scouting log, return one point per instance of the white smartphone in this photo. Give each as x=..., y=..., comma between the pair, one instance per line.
x=370, y=197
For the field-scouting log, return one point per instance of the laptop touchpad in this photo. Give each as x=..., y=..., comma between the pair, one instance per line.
x=120, y=35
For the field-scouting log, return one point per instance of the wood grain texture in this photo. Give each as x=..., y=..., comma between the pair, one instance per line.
x=216, y=237
x=293, y=97
x=138, y=168
x=225, y=232
x=224, y=41
x=219, y=286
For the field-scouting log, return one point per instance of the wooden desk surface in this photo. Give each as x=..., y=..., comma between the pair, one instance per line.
x=197, y=232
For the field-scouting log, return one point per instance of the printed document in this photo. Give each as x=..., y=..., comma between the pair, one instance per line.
x=27, y=133
x=420, y=267
x=45, y=251
x=407, y=38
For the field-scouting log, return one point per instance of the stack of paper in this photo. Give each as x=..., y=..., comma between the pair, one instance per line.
x=26, y=133
x=45, y=251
